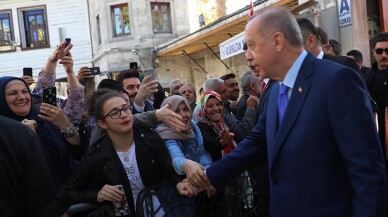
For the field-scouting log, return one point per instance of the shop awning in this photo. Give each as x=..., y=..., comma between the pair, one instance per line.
x=222, y=29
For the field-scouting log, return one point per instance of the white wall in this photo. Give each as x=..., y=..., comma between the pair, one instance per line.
x=70, y=15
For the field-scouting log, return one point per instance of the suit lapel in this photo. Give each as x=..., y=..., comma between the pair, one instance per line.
x=299, y=92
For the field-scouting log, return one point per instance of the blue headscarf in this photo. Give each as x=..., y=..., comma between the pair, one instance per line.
x=54, y=142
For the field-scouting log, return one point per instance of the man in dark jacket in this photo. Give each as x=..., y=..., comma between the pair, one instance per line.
x=377, y=79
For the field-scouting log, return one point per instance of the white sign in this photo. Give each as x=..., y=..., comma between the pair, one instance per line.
x=344, y=13
x=232, y=46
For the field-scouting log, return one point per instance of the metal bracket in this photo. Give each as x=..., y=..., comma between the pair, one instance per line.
x=184, y=52
x=216, y=56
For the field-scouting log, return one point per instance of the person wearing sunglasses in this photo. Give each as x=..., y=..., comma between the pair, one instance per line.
x=377, y=81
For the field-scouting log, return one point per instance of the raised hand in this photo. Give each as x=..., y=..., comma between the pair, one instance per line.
x=148, y=87
x=67, y=62
x=83, y=73
x=170, y=118
x=28, y=79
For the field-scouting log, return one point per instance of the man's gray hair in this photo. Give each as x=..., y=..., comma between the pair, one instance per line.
x=211, y=84
x=247, y=79
x=190, y=85
x=279, y=19
x=172, y=83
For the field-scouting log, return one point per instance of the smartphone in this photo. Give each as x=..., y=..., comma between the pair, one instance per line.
x=121, y=208
x=95, y=70
x=133, y=65
x=150, y=72
x=68, y=41
x=50, y=95
x=27, y=71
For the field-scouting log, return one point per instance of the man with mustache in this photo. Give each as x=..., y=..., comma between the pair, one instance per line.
x=377, y=79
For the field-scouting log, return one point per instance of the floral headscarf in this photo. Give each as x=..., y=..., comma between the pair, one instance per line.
x=219, y=126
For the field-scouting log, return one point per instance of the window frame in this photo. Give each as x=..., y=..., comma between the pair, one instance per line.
x=113, y=20
x=12, y=32
x=98, y=27
x=22, y=24
x=161, y=16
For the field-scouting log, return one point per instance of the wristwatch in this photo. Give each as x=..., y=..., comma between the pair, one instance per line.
x=70, y=131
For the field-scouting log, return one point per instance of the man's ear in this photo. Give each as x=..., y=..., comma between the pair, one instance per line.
x=102, y=124
x=278, y=39
x=252, y=86
x=311, y=41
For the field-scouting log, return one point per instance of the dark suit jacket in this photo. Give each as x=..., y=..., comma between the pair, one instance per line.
x=241, y=107
x=325, y=159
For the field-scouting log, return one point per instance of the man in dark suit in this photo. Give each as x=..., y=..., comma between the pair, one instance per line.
x=323, y=150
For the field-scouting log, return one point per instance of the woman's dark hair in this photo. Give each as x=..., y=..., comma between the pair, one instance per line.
x=97, y=100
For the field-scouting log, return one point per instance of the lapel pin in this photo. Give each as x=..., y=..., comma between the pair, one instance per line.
x=300, y=90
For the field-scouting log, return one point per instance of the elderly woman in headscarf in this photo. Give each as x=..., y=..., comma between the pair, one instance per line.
x=50, y=123
x=217, y=138
x=219, y=141
x=188, y=154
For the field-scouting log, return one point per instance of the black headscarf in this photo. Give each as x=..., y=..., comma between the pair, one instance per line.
x=5, y=110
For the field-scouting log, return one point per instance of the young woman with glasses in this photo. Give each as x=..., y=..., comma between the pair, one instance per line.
x=122, y=162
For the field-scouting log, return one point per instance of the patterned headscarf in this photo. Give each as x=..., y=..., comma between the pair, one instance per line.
x=219, y=126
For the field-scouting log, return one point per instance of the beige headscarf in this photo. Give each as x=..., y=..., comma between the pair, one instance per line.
x=165, y=131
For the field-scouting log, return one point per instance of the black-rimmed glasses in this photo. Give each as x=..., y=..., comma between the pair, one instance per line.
x=380, y=51
x=116, y=113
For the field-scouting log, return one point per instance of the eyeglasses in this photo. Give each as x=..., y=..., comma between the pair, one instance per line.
x=380, y=51
x=116, y=113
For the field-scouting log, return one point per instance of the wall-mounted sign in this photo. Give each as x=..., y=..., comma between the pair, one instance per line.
x=344, y=13
x=232, y=46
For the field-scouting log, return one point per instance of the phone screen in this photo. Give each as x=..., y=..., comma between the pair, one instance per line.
x=150, y=72
x=50, y=95
x=68, y=41
x=27, y=72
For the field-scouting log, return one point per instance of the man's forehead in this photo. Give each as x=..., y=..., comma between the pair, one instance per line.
x=230, y=80
x=381, y=43
x=131, y=81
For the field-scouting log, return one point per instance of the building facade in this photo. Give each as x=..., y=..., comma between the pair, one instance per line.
x=359, y=21
x=30, y=30
x=125, y=31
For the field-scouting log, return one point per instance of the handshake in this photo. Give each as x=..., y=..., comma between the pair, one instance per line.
x=194, y=184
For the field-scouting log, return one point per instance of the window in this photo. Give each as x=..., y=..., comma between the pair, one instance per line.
x=33, y=27
x=161, y=17
x=120, y=18
x=6, y=33
x=98, y=29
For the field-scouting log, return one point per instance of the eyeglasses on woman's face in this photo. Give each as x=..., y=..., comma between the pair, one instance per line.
x=116, y=113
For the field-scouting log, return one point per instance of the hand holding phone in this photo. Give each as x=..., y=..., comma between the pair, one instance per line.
x=121, y=208
x=95, y=71
x=150, y=72
x=68, y=41
x=50, y=95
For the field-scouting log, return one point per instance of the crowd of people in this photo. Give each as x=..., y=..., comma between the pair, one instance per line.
x=305, y=138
